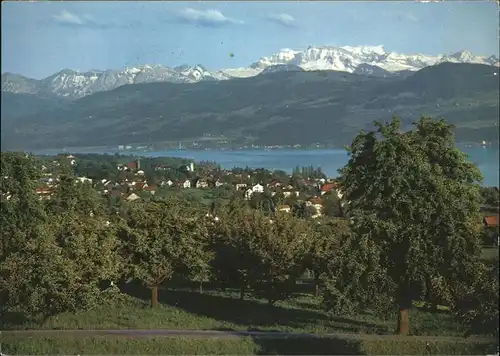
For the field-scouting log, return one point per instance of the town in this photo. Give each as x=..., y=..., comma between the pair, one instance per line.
x=307, y=192
x=307, y=188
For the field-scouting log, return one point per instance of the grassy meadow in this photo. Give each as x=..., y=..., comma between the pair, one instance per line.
x=188, y=309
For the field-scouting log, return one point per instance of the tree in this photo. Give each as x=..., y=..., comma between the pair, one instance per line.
x=21, y=210
x=52, y=260
x=476, y=304
x=74, y=196
x=302, y=210
x=32, y=278
x=280, y=246
x=414, y=207
x=265, y=252
x=60, y=267
x=233, y=259
x=161, y=238
x=490, y=197
x=325, y=258
x=331, y=205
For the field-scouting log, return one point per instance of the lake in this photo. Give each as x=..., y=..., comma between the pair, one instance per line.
x=330, y=160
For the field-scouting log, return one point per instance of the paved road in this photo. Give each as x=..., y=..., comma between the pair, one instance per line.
x=140, y=333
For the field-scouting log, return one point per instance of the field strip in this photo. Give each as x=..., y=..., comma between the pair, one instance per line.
x=140, y=333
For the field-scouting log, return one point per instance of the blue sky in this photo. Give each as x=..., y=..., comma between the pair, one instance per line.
x=41, y=38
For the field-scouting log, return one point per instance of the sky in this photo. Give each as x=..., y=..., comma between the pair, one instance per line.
x=41, y=38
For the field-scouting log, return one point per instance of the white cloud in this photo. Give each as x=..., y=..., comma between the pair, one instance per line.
x=209, y=18
x=67, y=18
x=283, y=19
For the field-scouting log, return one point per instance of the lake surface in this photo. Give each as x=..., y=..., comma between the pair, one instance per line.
x=330, y=160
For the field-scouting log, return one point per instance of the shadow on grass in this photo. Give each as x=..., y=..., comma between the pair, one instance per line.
x=307, y=306
x=310, y=346
x=249, y=313
x=10, y=319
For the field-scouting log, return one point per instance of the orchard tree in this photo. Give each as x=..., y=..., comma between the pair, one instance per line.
x=332, y=205
x=37, y=279
x=414, y=206
x=21, y=210
x=490, y=197
x=91, y=243
x=281, y=247
x=60, y=267
x=161, y=238
x=326, y=255
x=265, y=252
x=232, y=244
x=73, y=196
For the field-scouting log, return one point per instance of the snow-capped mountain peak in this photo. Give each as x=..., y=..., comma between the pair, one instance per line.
x=370, y=60
x=348, y=58
x=365, y=49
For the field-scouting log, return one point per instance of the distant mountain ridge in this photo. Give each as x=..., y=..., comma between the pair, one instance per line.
x=284, y=107
x=367, y=60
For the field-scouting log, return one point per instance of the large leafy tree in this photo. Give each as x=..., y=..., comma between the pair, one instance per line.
x=490, y=197
x=476, y=304
x=332, y=205
x=280, y=247
x=233, y=260
x=414, y=206
x=60, y=268
x=329, y=250
x=162, y=238
x=52, y=259
x=37, y=278
x=265, y=252
x=73, y=196
x=21, y=210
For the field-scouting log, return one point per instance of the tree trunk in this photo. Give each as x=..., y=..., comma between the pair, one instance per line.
x=316, y=283
x=403, y=321
x=242, y=291
x=201, y=287
x=154, y=297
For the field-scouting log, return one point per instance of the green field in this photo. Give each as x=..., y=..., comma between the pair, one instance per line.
x=214, y=310
x=239, y=346
x=187, y=309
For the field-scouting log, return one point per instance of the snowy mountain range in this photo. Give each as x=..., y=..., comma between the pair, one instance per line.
x=369, y=60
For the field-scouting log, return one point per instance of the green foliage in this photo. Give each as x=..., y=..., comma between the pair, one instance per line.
x=161, y=238
x=20, y=208
x=414, y=207
x=308, y=172
x=57, y=254
x=476, y=304
x=490, y=197
x=267, y=253
x=60, y=268
x=332, y=205
x=411, y=232
x=280, y=247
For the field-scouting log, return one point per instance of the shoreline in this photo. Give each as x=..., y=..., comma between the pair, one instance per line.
x=137, y=151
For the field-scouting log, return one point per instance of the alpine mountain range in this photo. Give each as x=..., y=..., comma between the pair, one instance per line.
x=368, y=60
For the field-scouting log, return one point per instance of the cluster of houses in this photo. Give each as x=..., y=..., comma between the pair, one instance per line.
x=133, y=185
x=130, y=188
